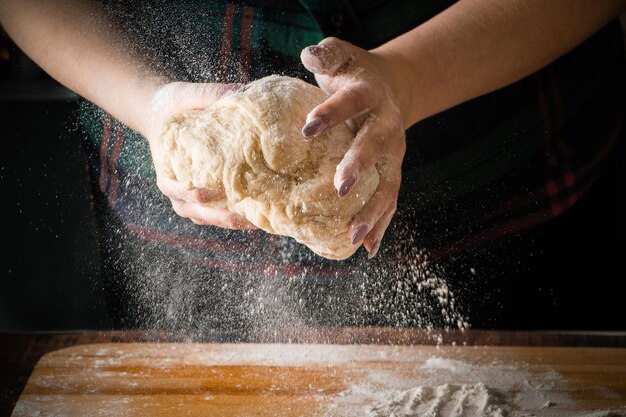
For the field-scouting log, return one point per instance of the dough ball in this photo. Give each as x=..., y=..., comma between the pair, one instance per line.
x=249, y=144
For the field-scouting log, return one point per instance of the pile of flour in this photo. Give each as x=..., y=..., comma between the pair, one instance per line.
x=467, y=400
x=445, y=387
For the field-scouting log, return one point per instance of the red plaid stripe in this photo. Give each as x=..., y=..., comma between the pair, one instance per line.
x=187, y=242
x=115, y=156
x=104, y=147
x=245, y=56
x=227, y=36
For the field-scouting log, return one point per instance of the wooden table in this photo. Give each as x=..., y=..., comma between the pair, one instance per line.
x=19, y=352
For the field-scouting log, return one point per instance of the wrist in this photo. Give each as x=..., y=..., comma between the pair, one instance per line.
x=401, y=80
x=145, y=104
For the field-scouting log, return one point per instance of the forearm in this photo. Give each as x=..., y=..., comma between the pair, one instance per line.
x=478, y=46
x=74, y=43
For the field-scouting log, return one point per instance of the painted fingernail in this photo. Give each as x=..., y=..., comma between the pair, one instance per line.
x=314, y=127
x=202, y=195
x=239, y=222
x=346, y=185
x=374, y=250
x=314, y=50
x=359, y=234
x=228, y=89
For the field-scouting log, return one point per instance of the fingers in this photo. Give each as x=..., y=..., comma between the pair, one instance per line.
x=181, y=96
x=188, y=203
x=177, y=97
x=345, y=104
x=369, y=225
x=210, y=216
x=354, y=90
x=328, y=57
x=375, y=236
x=341, y=69
x=175, y=191
x=383, y=200
x=378, y=137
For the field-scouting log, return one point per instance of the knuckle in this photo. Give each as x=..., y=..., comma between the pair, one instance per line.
x=378, y=89
x=330, y=41
x=355, y=97
x=381, y=210
x=198, y=195
x=393, y=208
x=160, y=183
x=353, y=161
x=176, y=85
x=395, y=120
x=391, y=184
x=199, y=93
x=178, y=208
x=378, y=143
x=361, y=162
x=232, y=222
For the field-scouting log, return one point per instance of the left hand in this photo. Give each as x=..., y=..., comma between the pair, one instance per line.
x=168, y=100
x=360, y=85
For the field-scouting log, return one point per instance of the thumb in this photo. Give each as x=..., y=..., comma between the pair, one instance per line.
x=202, y=95
x=178, y=97
x=327, y=57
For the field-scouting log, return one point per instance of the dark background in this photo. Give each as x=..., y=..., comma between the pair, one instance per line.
x=49, y=267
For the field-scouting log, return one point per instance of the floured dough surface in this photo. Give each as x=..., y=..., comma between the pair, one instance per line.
x=250, y=145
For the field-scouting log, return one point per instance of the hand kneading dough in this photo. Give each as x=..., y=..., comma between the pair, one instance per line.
x=250, y=145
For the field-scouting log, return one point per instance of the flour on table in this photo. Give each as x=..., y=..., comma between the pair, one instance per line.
x=454, y=388
x=467, y=400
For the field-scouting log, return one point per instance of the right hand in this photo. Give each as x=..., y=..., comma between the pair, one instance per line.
x=177, y=97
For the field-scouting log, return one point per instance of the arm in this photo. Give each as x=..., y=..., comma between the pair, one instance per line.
x=470, y=49
x=73, y=41
x=478, y=46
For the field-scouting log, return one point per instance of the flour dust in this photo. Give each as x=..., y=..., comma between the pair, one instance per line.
x=273, y=287
x=164, y=272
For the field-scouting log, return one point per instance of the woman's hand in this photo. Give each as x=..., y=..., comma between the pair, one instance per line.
x=177, y=97
x=360, y=85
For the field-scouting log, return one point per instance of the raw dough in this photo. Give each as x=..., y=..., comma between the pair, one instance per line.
x=250, y=145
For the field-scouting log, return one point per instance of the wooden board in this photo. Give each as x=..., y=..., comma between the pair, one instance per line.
x=305, y=380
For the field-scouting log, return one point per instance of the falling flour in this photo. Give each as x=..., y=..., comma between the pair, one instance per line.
x=169, y=274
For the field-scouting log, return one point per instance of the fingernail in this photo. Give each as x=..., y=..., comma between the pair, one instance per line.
x=202, y=195
x=359, y=234
x=314, y=127
x=374, y=250
x=228, y=89
x=314, y=49
x=243, y=223
x=346, y=185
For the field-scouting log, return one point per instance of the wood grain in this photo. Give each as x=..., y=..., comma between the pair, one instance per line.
x=284, y=379
x=19, y=352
